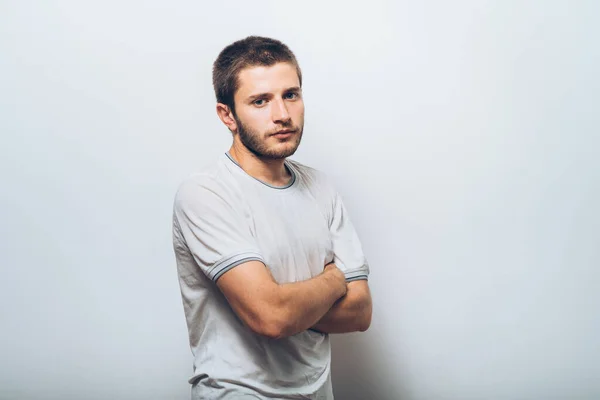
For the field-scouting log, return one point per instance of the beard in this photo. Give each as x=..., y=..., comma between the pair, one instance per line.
x=255, y=141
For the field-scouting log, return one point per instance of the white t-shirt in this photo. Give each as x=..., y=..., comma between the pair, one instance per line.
x=224, y=217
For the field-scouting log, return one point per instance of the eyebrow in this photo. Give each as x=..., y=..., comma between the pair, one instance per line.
x=268, y=95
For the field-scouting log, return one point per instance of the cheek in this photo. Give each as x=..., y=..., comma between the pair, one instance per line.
x=256, y=119
x=299, y=111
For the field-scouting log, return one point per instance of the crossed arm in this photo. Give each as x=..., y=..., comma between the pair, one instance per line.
x=350, y=313
x=325, y=303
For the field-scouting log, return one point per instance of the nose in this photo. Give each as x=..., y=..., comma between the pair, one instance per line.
x=280, y=112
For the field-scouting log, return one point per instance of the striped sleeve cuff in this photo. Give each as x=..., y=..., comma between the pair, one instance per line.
x=357, y=274
x=231, y=262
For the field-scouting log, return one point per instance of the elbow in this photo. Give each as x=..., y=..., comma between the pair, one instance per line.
x=364, y=324
x=365, y=321
x=269, y=318
x=270, y=326
x=273, y=330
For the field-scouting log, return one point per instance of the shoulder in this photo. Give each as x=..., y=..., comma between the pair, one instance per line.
x=210, y=186
x=312, y=177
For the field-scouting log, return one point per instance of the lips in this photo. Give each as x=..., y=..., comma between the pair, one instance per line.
x=285, y=132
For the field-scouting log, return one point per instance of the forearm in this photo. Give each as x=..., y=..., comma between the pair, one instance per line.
x=350, y=313
x=303, y=304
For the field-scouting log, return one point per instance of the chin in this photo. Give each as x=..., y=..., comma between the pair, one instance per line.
x=281, y=153
x=290, y=151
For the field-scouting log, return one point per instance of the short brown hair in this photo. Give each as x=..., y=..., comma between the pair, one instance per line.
x=251, y=51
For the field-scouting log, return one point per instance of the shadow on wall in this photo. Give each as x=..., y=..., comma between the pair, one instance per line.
x=360, y=369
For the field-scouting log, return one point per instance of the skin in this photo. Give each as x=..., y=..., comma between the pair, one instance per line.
x=268, y=101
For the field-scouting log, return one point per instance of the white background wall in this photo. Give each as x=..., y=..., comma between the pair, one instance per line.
x=463, y=136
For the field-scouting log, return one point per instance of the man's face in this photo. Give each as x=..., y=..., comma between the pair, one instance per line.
x=269, y=110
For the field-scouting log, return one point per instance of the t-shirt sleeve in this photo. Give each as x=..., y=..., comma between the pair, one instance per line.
x=347, y=249
x=213, y=229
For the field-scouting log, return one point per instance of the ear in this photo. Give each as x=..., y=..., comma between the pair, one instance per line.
x=226, y=115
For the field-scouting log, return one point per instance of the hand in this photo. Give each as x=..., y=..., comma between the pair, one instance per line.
x=337, y=277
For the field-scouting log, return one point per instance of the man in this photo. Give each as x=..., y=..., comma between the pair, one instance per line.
x=269, y=263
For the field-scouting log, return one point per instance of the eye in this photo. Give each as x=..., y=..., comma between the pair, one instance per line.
x=291, y=96
x=259, y=102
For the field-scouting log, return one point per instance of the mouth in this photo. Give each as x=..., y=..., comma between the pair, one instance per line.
x=284, y=133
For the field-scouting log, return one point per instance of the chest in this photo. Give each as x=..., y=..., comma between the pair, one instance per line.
x=292, y=233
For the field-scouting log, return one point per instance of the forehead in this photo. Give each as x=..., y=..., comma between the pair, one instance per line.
x=272, y=79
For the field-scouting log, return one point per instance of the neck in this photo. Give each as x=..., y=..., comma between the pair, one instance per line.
x=269, y=171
